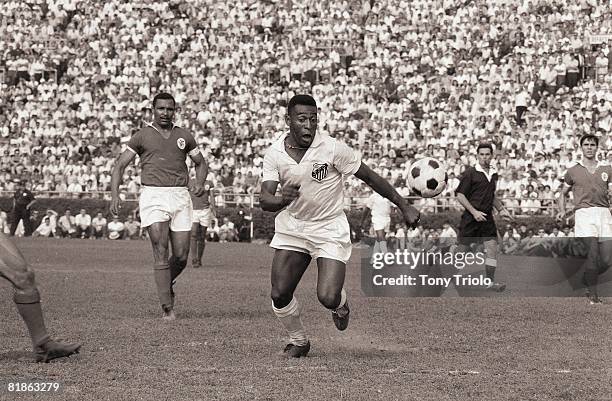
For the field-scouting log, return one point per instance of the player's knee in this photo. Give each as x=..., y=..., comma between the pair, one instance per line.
x=329, y=299
x=280, y=299
x=25, y=280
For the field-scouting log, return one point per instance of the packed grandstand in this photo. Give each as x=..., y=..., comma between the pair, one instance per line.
x=397, y=80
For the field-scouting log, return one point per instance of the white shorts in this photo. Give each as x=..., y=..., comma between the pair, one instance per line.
x=381, y=223
x=593, y=222
x=329, y=239
x=202, y=216
x=160, y=204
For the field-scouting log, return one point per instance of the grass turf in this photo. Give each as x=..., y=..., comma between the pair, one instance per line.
x=225, y=343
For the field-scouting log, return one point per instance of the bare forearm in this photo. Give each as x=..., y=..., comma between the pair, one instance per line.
x=201, y=173
x=116, y=179
x=384, y=189
x=463, y=201
x=271, y=203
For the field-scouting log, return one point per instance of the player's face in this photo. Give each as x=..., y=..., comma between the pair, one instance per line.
x=302, y=123
x=484, y=157
x=589, y=148
x=163, y=112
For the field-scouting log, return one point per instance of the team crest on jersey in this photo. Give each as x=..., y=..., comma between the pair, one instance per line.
x=604, y=177
x=319, y=171
x=180, y=143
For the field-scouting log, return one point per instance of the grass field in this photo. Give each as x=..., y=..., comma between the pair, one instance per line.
x=225, y=343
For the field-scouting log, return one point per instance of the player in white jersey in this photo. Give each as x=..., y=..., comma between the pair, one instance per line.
x=310, y=168
x=590, y=181
x=165, y=203
x=379, y=208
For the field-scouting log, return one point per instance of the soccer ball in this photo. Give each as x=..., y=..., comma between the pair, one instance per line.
x=427, y=177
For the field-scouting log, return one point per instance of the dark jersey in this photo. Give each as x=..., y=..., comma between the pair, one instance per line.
x=590, y=190
x=201, y=202
x=22, y=198
x=478, y=189
x=163, y=160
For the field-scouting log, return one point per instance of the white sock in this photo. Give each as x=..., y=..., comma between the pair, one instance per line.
x=342, y=302
x=289, y=316
x=383, y=246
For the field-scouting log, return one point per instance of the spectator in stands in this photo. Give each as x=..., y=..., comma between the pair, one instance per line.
x=115, y=228
x=83, y=224
x=66, y=225
x=98, y=226
x=132, y=228
x=227, y=231
x=44, y=229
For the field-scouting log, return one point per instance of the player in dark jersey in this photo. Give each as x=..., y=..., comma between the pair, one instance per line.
x=165, y=203
x=14, y=268
x=476, y=193
x=203, y=213
x=589, y=180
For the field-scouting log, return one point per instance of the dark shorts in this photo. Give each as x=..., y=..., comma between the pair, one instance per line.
x=472, y=231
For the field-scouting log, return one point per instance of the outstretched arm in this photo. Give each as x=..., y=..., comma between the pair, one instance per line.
x=382, y=187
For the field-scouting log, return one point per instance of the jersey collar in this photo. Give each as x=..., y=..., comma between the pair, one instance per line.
x=152, y=125
x=280, y=144
x=492, y=171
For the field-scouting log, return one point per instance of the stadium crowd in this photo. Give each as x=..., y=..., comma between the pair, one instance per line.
x=396, y=79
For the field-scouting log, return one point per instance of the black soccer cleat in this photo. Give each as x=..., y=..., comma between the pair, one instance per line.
x=341, y=317
x=55, y=349
x=497, y=287
x=593, y=298
x=296, y=351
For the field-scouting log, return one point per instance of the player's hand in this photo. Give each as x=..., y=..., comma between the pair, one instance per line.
x=411, y=215
x=560, y=216
x=479, y=216
x=115, y=206
x=290, y=192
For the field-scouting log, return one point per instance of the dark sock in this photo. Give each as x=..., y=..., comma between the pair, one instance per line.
x=176, y=267
x=28, y=305
x=490, y=272
x=163, y=280
x=590, y=279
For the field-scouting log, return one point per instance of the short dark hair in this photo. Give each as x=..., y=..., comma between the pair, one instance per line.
x=306, y=100
x=484, y=146
x=163, y=96
x=589, y=136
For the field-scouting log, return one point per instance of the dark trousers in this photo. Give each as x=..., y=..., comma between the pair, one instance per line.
x=21, y=214
x=520, y=110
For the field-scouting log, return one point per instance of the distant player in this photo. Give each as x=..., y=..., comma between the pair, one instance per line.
x=165, y=203
x=589, y=180
x=476, y=193
x=310, y=168
x=379, y=208
x=203, y=213
x=14, y=268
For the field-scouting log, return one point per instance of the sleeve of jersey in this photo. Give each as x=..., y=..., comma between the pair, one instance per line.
x=346, y=160
x=270, y=169
x=192, y=147
x=135, y=143
x=567, y=178
x=465, y=183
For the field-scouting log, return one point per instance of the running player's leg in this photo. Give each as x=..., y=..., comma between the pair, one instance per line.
x=330, y=290
x=159, y=236
x=605, y=256
x=14, y=268
x=591, y=269
x=202, y=243
x=491, y=247
x=196, y=237
x=288, y=267
x=180, y=241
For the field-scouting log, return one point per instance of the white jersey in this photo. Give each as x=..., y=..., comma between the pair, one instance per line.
x=319, y=174
x=379, y=206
